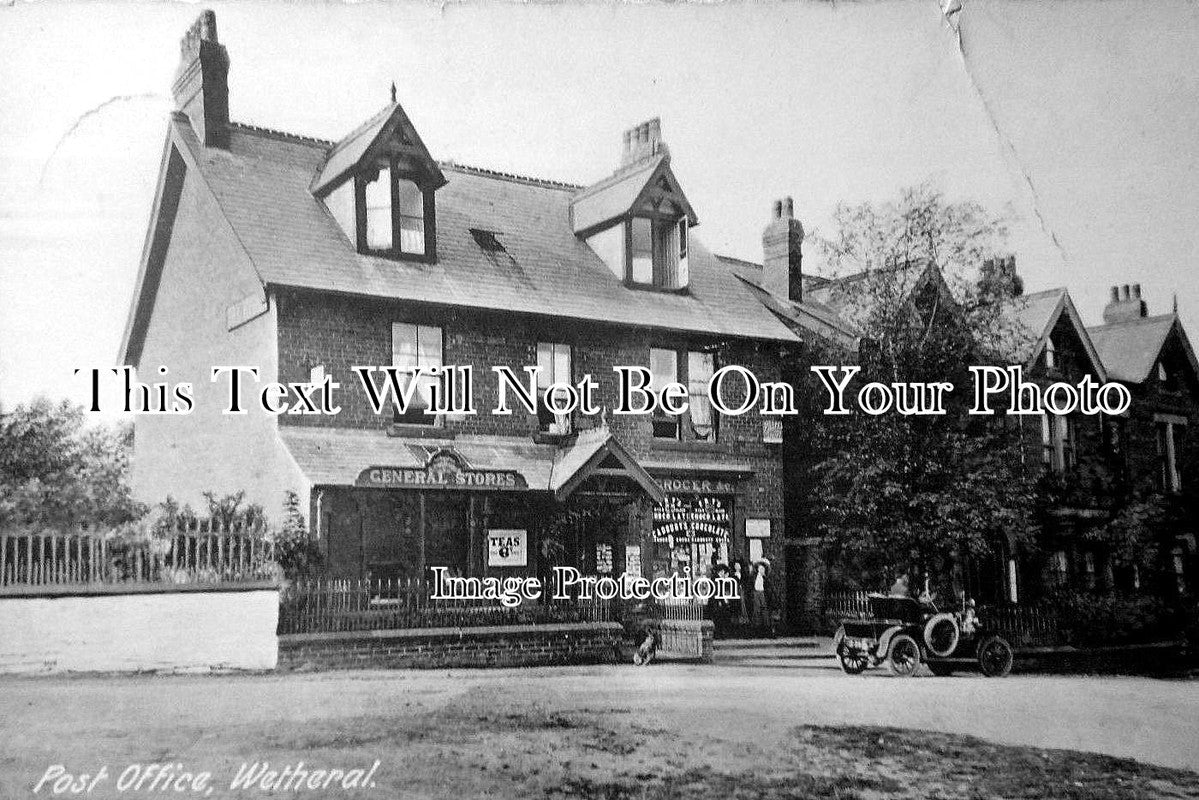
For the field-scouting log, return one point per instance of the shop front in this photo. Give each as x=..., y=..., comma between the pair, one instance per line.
x=388, y=508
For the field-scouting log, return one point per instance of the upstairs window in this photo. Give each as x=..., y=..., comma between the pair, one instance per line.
x=693, y=369
x=1169, y=432
x=1050, y=354
x=386, y=214
x=664, y=366
x=1057, y=443
x=646, y=252
x=700, y=368
x=554, y=362
x=416, y=346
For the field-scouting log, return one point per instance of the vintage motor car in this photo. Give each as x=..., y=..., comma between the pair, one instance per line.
x=905, y=633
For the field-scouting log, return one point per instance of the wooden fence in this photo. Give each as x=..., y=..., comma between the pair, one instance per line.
x=335, y=605
x=201, y=553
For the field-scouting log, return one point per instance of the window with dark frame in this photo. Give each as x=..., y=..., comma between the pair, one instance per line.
x=554, y=361
x=1168, y=433
x=395, y=215
x=664, y=366
x=657, y=253
x=416, y=346
x=1057, y=443
x=693, y=369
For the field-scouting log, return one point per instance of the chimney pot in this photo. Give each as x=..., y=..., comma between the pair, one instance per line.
x=1124, y=292
x=201, y=88
x=1136, y=291
x=1115, y=294
x=208, y=26
x=782, y=253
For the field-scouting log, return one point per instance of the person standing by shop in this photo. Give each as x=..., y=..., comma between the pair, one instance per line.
x=761, y=602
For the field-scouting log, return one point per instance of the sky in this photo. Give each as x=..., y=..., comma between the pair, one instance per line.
x=1079, y=119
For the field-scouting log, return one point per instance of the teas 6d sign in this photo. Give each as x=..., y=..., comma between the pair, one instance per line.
x=507, y=548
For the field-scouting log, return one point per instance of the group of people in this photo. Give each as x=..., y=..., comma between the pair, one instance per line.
x=753, y=606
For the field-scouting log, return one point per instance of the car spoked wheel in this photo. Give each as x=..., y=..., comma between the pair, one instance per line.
x=853, y=662
x=995, y=657
x=903, y=656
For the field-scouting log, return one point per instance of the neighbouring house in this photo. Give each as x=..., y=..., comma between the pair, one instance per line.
x=306, y=257
x=1094, y=466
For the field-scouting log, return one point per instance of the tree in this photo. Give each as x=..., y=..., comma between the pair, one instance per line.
x=57, y=471
x=920, y=494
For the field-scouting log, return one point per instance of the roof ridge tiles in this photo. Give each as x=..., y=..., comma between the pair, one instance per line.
x=548, y=183
x=259, y=129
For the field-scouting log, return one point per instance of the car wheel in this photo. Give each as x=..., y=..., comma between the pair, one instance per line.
x=995, y=657
x=852, y=663
x=903, y=656
x=940, y=668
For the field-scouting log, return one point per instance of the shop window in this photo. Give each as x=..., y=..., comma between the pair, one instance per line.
x=416, y=346
x=554, y=362
x=664, y=366
x=1057, y=443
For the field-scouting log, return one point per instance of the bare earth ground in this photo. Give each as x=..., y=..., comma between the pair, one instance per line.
x=741, y=729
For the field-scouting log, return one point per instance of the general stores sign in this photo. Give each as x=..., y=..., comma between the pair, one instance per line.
x=445, y=469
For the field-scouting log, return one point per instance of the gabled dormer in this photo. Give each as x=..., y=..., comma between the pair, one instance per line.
x=379, y=182
x=638, y=220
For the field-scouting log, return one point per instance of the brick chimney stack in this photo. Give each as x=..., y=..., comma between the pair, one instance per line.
x=998, y=279
x=1126, y=304
x=201, y=87
x=782, y=256
x=642, y=141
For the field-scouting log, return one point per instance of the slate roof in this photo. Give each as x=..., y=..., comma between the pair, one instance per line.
x=336, y=456
x=1035, y=316
x=262, y=184
x=1130, y=349
x=619, y=193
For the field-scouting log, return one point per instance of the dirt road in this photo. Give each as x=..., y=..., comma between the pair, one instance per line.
x=727, y=714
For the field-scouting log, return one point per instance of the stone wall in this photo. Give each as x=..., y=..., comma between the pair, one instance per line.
x=185, y=630
x=499, y=646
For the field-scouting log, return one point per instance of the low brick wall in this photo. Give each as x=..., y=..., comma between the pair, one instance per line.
x=425, y=648
x=132, y=628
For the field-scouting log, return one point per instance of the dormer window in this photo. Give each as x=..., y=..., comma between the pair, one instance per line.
x=393, y=216
x=379, y=184
x=646, y=252
x=637, y=220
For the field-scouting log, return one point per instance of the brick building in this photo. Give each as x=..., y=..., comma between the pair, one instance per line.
x=305, y=258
